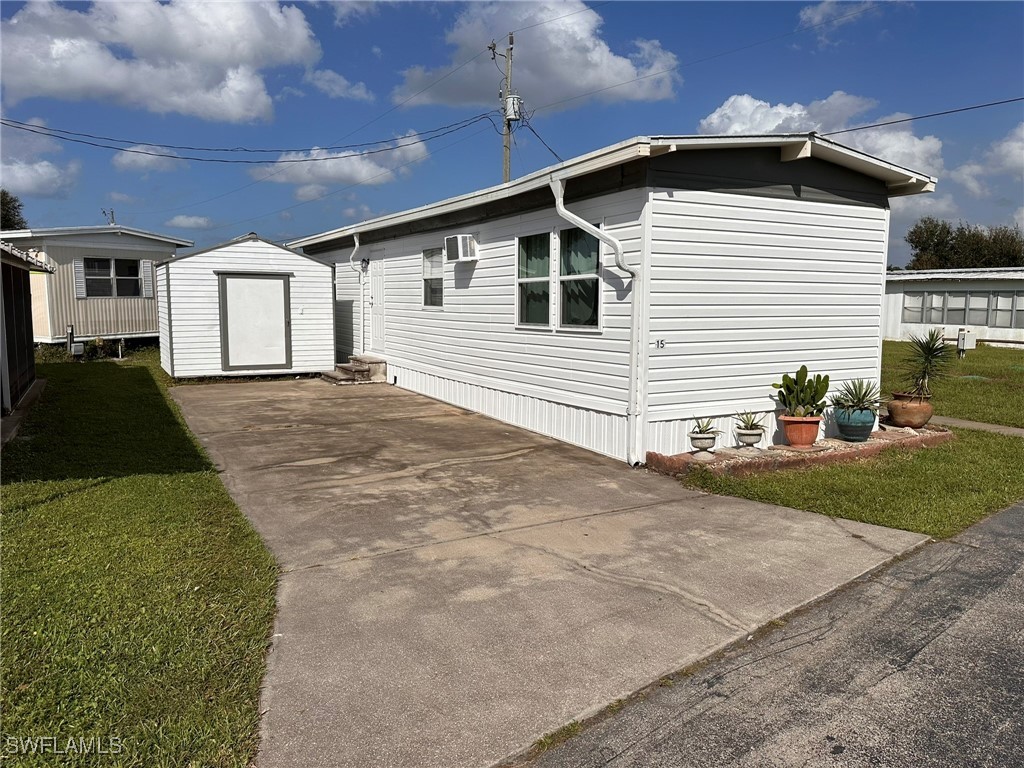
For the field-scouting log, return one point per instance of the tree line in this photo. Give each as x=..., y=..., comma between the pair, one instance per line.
x=937, y=244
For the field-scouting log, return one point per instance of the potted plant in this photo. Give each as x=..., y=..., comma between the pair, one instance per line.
x=855, y=407
x=702, y=438
x=803, y=401
x=749, y=431
x=926, y=360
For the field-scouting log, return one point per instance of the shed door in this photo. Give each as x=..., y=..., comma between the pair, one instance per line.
x=377, y=302
x=255, y=321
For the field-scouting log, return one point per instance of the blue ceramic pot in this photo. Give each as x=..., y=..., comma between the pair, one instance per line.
x=854, y=426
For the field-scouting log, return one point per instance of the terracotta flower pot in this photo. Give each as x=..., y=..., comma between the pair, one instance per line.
x=801, y=431
x=907, y=410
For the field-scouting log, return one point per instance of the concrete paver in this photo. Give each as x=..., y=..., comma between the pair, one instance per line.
x=454, y=587
x=999, y=429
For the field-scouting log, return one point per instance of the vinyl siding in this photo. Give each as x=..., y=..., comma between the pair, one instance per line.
x=568, y=384
x=40, y=283
x=195, y=309
x=163, y=316
x=744, y=288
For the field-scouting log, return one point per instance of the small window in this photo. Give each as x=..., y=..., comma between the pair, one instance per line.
x=956, y=308
x=1002, y=305
x=977, y=309
x=112, y=277
x=912, y=304
x=1018, y=313
x=433, y=277
x=533, y=278
x=579, y=283
x=933, y=308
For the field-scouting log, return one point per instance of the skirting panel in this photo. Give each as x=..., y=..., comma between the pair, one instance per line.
x=603, y=433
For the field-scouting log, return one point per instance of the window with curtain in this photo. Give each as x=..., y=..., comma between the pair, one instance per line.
x=433, y=277
x=533, y=278
x=112, y=277
x=578, y=278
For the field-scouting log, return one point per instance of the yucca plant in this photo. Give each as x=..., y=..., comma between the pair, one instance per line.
x=749, y=421
x=858, y=395
x=704, y=427
x=802, y=395
x=927, y=359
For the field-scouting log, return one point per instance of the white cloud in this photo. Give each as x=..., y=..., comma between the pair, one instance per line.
x=1018, y=217
x=24, y=170
x=160, y=160
x=189, y=222
x=289, y=91
x=829, y=15
x=742, y=114
x=194, y=58
x=336, y=86
x=1003, y=158
x=331, y=168
x=376, y=51
x=555, y=61
x=350, y=10
x=359, y=212
x=121, y=197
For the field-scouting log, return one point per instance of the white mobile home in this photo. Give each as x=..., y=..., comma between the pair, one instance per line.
x=988, y=302
x=610, y=300
x=247, y=307
x=101, y=283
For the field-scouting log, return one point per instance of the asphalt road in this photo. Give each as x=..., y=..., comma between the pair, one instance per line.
x=919, y=665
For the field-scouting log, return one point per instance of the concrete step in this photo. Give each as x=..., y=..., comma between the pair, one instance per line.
x=348, y=373
x=377, y=366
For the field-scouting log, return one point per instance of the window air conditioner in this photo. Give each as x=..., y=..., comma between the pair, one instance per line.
x=460, y=248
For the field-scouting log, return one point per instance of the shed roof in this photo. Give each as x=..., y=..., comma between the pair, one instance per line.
x=27, y=234
x=982, y=273
x=23, y=259
x=246, y=238
x=898, y=180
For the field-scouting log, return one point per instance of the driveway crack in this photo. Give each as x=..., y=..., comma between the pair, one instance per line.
x=709, y=609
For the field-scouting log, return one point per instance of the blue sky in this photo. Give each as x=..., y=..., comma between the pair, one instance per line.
x=308, y=76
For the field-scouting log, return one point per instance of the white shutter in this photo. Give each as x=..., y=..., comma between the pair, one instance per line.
x=79, y=279
x=146, y=267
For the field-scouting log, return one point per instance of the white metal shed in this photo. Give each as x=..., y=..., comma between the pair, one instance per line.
x=612, y=299
x=247, y=307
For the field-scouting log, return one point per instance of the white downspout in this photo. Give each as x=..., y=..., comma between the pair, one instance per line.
x=358, y=271
x=633, y=456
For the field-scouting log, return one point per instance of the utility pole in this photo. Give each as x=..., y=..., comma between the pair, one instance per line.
x=506, y=138
x=511, y=106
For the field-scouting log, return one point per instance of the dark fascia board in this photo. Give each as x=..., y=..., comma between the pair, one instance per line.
x=251, y=237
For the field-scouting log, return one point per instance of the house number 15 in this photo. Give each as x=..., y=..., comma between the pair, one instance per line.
x=659, y=343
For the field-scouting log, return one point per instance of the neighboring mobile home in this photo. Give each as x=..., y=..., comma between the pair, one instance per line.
x=243, y=308
x=102, y=283
x=17, y=366
x=610, y=300
x=987, y=302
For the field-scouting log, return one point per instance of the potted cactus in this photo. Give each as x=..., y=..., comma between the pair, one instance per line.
x=803, y=401
x=855, y=407
x=702, y=438
x=750, y=430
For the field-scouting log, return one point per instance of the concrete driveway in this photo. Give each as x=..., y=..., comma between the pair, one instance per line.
x=454, y=588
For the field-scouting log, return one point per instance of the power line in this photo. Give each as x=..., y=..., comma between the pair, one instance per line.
x=549, y=149
x=922, y=117
x=155, y=145
x=419, y=138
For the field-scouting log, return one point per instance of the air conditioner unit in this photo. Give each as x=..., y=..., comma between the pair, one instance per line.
x=460, y=248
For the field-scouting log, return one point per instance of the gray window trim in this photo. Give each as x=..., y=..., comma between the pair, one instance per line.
x=222, y=278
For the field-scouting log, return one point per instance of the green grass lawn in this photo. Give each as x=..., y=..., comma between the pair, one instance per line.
x=987, y=385
x=937, y=491
x=137, y=600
